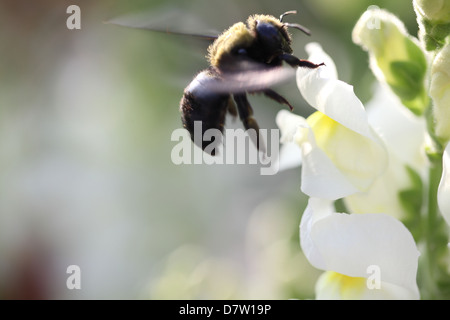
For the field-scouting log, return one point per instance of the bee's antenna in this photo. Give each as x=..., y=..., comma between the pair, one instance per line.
x=299, y=27
x=287, y=13
x=294, y=25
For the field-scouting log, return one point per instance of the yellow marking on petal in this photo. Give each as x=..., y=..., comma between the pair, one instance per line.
x=359, y=158
x=323, y=127
x=337, y=285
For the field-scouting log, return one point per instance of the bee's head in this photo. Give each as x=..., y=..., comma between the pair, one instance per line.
x=272, y=33
x=262, y=38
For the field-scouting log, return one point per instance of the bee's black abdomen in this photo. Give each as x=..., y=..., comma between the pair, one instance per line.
x=206, y=106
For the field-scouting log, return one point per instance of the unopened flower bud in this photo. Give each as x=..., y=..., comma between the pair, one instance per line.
x=395, y=56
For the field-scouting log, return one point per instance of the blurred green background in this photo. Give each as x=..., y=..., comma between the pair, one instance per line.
x=86, y=176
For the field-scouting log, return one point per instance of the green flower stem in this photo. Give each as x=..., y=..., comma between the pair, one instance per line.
x=434, y=277
x=429, y=289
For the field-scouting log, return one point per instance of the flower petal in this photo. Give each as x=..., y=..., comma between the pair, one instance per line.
x=332, y=97
x=290, y=156
x=360, y=159
x=288, y=123
x=341, y=153
x=349, y=244
x=320, y=177
x=342, y=131
x=335, y=286
x=383, y=194
x=317, y=55
x=396, y=58
x=444, y=186
x=290, y=153
x=403, y=134
x=440, y=92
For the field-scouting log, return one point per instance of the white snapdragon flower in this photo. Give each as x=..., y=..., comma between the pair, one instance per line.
x=382, y=160
x=334, y=157
x=341, y=154
x=365, y=256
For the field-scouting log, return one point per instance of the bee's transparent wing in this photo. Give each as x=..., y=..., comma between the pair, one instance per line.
x=171, y=21
x=251, y=77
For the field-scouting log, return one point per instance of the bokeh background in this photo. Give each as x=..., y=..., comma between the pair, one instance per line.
x=86, y=177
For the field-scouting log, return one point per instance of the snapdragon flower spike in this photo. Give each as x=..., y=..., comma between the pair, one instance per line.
x=357, y=250
x=444, y=186
x=341, y=154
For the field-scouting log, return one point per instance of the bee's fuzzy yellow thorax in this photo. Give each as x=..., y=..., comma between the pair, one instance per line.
x=238, y=35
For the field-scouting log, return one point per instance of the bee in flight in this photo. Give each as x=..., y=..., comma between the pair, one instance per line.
x=245, y=58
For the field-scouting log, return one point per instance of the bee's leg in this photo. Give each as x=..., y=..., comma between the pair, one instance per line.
x=231, y=107
x=246, y=116
x=293, y=61
x=275, y=96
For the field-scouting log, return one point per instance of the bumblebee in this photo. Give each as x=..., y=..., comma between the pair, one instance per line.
x=246, y=58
